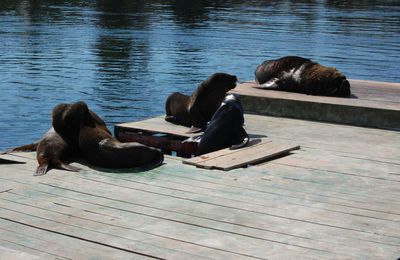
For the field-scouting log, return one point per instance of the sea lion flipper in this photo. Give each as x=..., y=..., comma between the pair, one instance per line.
x=272, y=84
x=67, y=167
x=23, y=148
x=244, y=137
x=194, y=130
x=41, y=169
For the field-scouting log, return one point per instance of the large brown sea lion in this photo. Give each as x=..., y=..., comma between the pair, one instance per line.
x=67, y=119
x=301, y=75
x=196, y=110
x=225, y=128
x=98, y=146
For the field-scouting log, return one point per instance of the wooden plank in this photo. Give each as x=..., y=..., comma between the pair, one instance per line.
x=157, y=125
x=373, y=143
x=293, y=243
x=257, y=219
x=120, y=237
x=230, y=159
x=61, y=245
x=232, y=245
x=205, y=157
x=14, y=251
x=203, y=201
x=236, y=160
x=344, y=165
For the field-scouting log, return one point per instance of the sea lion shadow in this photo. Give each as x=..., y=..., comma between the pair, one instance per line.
x=256, y=136
x=131, y=170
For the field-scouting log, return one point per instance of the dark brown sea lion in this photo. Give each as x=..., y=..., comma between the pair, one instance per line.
x=67, y=118
x=52, y=152
x=225, y=128
x=196, y=110
x=301, y=75
x=97, y=145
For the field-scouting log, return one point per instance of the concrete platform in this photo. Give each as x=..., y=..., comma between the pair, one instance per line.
x=335, y=198
x=374, y=104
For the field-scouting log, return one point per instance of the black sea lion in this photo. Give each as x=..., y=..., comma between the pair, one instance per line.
x=297, y=74
x=196, y=110
x=100, y=148
x=225, y=128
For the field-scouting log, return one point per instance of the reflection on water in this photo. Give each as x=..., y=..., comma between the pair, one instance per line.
x=124, y=57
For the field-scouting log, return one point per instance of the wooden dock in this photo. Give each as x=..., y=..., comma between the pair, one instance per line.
x=338, y=197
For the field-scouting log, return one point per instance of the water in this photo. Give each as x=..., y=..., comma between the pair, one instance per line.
x=123, y=57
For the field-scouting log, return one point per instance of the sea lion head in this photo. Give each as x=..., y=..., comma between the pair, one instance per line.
x=221, y=81
x=67, y=118
x=343, y=89
x=334, y=81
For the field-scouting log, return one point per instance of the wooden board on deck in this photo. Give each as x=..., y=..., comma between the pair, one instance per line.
x=258, y=150
x=156, y=125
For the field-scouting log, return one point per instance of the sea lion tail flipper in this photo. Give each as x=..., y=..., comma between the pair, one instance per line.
x=24, y=148
x=41, y=169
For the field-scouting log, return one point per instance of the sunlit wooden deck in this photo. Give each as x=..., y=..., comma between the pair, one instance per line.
x=337, y=197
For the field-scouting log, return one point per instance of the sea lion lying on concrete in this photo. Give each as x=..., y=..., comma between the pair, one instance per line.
x=225, y=128
x=301, y=75
x=98, y=147
x=196, y=110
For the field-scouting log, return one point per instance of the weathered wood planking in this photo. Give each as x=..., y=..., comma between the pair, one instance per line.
x=313, y=245
x=337, y=198
x=226, y=159
x=315, y=242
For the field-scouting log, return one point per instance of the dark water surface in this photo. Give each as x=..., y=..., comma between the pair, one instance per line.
x=124, y=57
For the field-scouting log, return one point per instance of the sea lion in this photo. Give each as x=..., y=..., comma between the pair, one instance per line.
x=301, y=75
x=225, y=128
x=97, y=145
x=66, y=120
x=52, y=151
x=196, y=110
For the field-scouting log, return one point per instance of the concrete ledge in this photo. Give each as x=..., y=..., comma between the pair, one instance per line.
x=374, y=104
